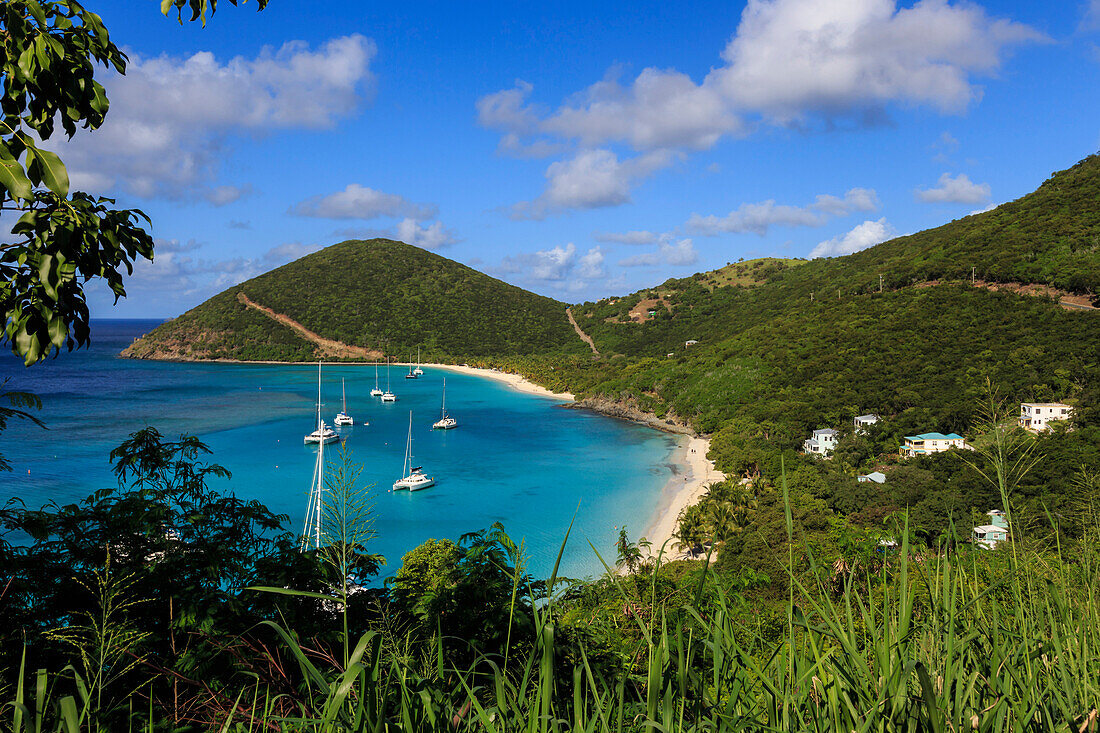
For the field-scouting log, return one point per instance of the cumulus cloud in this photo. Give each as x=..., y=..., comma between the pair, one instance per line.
x=633, y=237
x=172, y=119
x=361, y=202
x=680, y=253
x=865, y=235
x=790, y=62
x=556, y=264
x=793, y=57
x=759, y=217
x=432, y=236
x=591, y=179
x=957, y=190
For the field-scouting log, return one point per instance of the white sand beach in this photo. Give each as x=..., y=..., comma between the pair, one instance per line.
x=515, y=381
x=681, y=492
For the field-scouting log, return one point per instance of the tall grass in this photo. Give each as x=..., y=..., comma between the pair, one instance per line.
x=968, y=640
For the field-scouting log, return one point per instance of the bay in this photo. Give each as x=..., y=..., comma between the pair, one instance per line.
x=515, y=458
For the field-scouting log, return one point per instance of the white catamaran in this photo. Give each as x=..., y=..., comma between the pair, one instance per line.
x=388, y=396
x=376, y=392
x=444, y=422
x=323, y=433
x=413, y=477
x=311, y=532
x=410, y=375
x=342, y=417
x=418, y=371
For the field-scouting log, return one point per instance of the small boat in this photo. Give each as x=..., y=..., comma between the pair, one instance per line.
x=323, y=433
x=413, y=477
x=388, y=396
x=376, y=392
x=418, y=371
x=444, y=422
x=410, y=375
x=342, y=417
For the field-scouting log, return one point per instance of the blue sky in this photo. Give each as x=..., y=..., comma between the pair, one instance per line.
x=578, y=150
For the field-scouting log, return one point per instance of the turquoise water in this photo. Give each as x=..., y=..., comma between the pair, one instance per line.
x=515, y=458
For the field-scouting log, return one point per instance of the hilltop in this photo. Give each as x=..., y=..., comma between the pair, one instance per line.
x=363, y=300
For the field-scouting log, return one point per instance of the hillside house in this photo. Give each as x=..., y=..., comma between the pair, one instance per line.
x=821, y=443
x=865, y=421
x=1037, y=416
x=928, y=443
x=877, y=477
x=690, y=342
x=988, y=535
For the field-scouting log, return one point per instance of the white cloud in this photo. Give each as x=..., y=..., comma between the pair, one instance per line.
x=590, y=265
x=789, y=62
x=856, y=199
x=432, y=236
x=361, y=202
x=957, y=190
x=681, y=253
x=592, y=179
x=758, y=218
x=222, y=195
x=556, y=264
x=632, y=237
x=865, y=235
x=172, y=119
x=793, y=57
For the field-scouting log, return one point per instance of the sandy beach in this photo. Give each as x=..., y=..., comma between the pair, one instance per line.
x=683, y=490
x=515, y=381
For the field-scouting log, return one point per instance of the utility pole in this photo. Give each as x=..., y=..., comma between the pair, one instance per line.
x=811, y=296
x=838, y=295
x=880, y=283
x=973, y=273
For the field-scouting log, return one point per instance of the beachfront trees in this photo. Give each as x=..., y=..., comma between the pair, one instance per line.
x=64, y=240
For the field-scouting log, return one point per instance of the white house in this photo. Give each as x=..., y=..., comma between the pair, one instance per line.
x=1037, y=416
x=821, y=443
x=865, y=421
x=877, y=477
x=925, y=443
x=988, y=535
x=690, y=342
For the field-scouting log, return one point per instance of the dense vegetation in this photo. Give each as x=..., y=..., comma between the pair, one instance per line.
x=380, y=295
x=163, y=605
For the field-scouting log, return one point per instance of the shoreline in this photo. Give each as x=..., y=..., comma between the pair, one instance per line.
x=515, y=381
x=681, y=491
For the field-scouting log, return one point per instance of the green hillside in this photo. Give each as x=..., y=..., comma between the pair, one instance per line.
x=817, y=343
x=378, y=297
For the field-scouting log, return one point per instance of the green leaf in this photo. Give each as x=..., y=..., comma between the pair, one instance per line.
x=12, y=175
x=52, y=171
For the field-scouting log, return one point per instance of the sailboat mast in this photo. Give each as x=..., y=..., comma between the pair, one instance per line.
x=318, y=395
x=343, y=395
x=408, y=446
x=320, y=490
x=443, y=402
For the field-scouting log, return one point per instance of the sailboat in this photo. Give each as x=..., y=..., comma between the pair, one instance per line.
x=444, y=422
x=410, y=375
x=413, y=477
x=388, y=396
x=418, y=371
x=342, y=417
x=311, y=531
x=376, y=392
x=323, y=433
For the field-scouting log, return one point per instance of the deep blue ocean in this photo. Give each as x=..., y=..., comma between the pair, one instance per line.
x=518, y=459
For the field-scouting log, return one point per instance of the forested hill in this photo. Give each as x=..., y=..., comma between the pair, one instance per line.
x=364, y=299
x=800, y=347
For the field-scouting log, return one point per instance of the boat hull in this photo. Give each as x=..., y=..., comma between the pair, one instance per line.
x=447, y=423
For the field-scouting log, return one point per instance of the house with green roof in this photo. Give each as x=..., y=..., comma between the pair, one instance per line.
x=928, y=443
